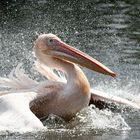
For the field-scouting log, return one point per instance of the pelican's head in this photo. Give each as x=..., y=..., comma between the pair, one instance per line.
x=50, y=45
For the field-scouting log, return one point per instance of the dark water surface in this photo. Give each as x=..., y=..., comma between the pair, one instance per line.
x=107, y=30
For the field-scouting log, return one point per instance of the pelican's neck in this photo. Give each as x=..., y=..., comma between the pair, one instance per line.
x=77, y=79
x=75, y=76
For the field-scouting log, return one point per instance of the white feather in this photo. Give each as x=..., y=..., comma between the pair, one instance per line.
x=17, y=79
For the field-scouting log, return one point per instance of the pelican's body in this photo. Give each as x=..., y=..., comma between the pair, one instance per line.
x=64, y=99
x=28, y=101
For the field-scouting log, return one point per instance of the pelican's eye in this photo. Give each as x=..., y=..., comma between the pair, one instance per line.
x=50, y=42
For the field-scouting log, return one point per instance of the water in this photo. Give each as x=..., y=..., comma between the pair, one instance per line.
x=107, y=30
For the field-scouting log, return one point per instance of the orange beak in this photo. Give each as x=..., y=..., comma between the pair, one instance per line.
x=69, y=53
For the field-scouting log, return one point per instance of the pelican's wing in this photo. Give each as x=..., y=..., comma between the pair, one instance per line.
x=18, y=80
x=15, y=113
x=105, y=98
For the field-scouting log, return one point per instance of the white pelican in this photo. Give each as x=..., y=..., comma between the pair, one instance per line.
x=28, y=101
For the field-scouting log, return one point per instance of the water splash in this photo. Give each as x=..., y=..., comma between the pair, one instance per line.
x=93, y=118
x=87, y=120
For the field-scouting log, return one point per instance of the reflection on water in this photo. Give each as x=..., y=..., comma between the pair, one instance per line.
x=107, y=30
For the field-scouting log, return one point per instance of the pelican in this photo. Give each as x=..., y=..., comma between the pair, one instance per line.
x=28, y=101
